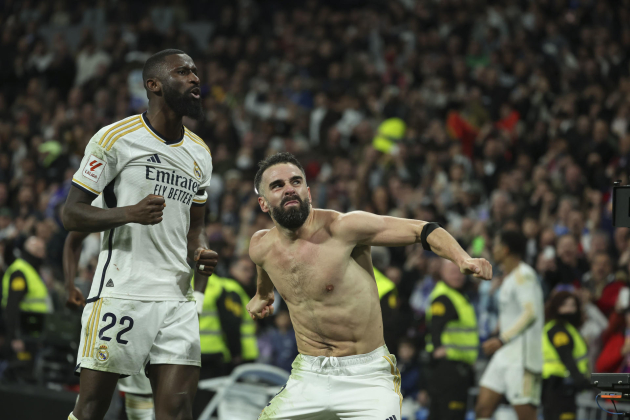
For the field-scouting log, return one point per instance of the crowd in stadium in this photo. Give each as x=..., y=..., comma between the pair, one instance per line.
x=480, y=115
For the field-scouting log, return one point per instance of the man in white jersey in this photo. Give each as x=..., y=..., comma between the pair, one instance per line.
x=137, y=388
x=320, y=262
x=516, y=367
x=140, y=313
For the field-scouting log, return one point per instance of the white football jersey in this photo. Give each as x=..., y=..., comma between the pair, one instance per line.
x=127, y=161
x=520, y=293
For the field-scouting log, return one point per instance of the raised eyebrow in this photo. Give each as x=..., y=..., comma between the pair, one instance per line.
x=191, y=68
x=274, y=183
x=296, y=177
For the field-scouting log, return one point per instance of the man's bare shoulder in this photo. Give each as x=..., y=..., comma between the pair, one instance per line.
x=326, y=215
x=341, y=221
x=325, y=218
x=258, y=245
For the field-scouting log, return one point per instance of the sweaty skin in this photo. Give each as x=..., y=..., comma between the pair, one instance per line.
x=333, y=249
x=329, y=287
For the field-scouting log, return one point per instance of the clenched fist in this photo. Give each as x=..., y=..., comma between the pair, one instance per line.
x=206, y=260
x=478, y=267
x=75, y=299
x=148, y=211
x=260, y=307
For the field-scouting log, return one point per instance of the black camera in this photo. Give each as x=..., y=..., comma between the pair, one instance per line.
x=614, y=387
x=612, y=383
x=621, y=205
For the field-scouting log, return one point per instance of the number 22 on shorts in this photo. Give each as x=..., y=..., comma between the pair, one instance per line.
x=126, y=321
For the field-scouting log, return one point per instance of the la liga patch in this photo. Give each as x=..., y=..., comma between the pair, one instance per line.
x=93, y=168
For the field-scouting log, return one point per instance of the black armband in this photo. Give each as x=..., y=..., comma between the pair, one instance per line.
x=426, y=231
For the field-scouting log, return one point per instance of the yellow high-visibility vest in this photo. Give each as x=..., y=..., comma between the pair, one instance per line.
x=460, y=337
x=249, y=343
x=36, y=299
x=388, y=133
x=552, y=365
x=384, y=286
x=212, y=337
x=210, y=333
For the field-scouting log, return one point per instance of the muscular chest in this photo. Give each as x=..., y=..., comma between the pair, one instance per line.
x=307, y=269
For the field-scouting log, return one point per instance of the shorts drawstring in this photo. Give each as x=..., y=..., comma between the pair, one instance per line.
x=333, y=361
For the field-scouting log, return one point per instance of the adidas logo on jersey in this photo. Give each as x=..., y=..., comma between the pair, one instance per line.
x=391, y=418
x=110, y=283
x=155, y=159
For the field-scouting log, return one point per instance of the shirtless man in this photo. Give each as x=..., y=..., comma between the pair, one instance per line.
x=319, y=260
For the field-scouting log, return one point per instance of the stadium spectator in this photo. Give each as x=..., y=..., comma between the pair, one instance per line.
x=602, y=284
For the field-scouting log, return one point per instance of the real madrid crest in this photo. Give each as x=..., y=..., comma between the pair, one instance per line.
x=197, y=170
x=102, y=354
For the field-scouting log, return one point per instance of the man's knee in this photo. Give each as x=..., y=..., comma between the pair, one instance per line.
x=91, y=408
x=483, y=409
x=178, y=406
x=526, y=411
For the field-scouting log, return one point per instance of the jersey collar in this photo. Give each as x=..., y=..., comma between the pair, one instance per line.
x=158, y=135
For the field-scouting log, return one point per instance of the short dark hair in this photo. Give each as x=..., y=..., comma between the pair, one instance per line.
x=278, y=158
x=515, y=241
x=153, y=64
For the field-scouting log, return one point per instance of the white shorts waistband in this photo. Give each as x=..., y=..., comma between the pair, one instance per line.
x=323, y=363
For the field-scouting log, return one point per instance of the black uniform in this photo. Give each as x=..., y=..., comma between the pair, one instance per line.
x=18, y=288
x=559, y=393
x=212, y=365
x=449, y=380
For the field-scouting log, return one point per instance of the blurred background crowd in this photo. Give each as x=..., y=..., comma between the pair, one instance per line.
x=481, y=115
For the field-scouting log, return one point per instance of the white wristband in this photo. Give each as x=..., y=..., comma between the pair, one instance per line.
x=199, y=299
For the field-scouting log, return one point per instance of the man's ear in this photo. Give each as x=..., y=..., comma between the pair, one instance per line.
x=264, y=206
x=309, y=194
x=154, y=86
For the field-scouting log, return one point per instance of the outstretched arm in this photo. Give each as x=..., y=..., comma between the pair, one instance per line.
x=71, y=255
x=371, y=229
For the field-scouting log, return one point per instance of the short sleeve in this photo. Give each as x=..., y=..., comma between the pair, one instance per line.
x=525, y=288
x=102, y=162
x=201, y=196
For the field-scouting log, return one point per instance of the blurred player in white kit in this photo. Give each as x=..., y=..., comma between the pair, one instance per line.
x=516, y=366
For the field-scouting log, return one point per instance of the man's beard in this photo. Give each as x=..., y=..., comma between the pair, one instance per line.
x=292, y=217
x=183, y=104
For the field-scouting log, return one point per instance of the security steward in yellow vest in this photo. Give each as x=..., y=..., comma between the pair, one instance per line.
x=23, y=290
x=227, y=334
x=453, y=342
x=565, y=354
x=388, y=296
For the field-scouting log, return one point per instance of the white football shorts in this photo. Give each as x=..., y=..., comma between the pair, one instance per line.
x=365, y=386
x=123, y=335
x=519, y=385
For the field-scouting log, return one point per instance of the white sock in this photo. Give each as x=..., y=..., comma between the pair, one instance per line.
x=138, y=408
x=72, y=417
